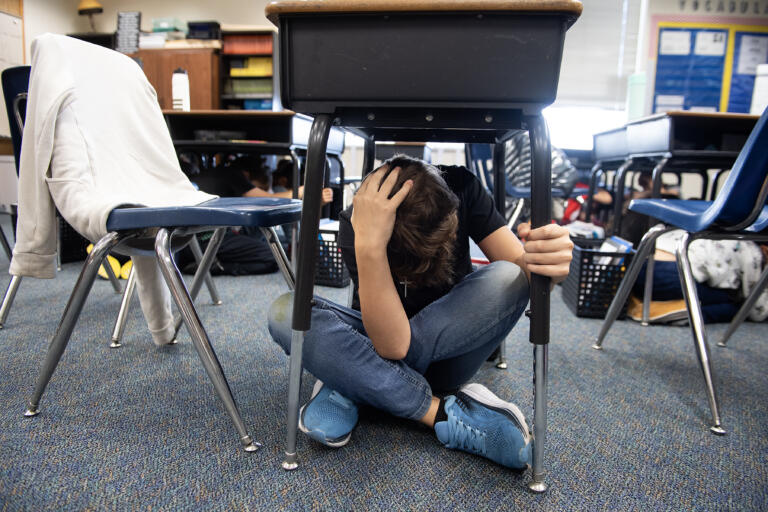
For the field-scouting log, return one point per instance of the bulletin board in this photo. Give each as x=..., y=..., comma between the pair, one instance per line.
x=707, y=66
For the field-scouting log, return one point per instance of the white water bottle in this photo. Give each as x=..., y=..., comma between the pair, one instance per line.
x=180, y=90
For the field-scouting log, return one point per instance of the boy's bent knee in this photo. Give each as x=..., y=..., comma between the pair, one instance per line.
x=509, y=282
x=279, y=319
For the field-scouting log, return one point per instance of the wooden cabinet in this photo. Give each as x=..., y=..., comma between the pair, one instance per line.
x=202, y=66
x=12, y=7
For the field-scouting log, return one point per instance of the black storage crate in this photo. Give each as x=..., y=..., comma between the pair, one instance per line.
x=331, y=270
x=71, y=243
x=591, y=284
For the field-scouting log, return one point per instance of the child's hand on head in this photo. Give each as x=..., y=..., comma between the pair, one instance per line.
x=373, y=211
x=548, y=250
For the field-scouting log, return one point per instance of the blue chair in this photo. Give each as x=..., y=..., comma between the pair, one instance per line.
x=132, y=231
x=479, y=159
x=739, y=212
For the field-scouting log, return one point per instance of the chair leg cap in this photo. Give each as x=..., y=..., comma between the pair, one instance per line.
x=597, y=347
x=115, y=344
x=31, y=412
x=537, y=487
x=719, y=343
x=717, y=430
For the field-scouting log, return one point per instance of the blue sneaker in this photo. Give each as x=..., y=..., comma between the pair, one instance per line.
x=328, y=417
x=479, y=422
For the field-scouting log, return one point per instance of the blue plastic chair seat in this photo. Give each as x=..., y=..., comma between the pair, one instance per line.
x=688, y=214
x=225, y=211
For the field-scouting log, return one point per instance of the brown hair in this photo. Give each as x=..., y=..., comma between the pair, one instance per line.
x=421, y=247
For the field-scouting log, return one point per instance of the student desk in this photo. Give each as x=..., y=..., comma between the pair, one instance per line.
x=676, y=141
x=421, y=71
x=260, y=132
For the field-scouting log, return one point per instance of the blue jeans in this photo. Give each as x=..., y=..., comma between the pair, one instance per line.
x=450, y=340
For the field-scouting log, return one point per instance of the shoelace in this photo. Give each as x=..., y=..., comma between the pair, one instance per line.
x=465, y=436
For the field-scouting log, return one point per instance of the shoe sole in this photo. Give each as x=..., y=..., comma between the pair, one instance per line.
x=485, y=396
x=333, y=444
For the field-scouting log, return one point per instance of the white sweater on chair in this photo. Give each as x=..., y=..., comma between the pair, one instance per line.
x=94, y=139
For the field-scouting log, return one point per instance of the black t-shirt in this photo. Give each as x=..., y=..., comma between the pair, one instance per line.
x=223, y=181
x=477, y=219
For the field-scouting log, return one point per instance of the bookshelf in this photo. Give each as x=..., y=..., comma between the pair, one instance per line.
x=248, y=63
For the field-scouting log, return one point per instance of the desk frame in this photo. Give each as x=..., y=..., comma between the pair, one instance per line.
x=480, y=105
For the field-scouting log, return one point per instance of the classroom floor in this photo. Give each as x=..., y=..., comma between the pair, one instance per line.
x=140, y=428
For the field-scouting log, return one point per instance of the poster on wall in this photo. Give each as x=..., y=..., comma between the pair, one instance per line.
x=689, y=69
x=707, y=67
x=750, y=49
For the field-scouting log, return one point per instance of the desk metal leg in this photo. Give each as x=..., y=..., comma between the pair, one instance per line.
x=658, y=170
x=618, y=195
x=369, y=155
x=302, y=298
x=541, y=200
x=295, y=226
x=704, y=183
x=500, y=199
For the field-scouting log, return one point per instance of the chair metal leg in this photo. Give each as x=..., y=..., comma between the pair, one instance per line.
x=199, y=336
x=203, y=271
x=754, y=294
x=647, y=245
x=112, y=278
x=305, y=278
x=648, y=290
x=70, y=316
x=280, y=257
x=198, y=253
x=10, y=294
x=5, y=244
x=697, y=325
x=122, y=315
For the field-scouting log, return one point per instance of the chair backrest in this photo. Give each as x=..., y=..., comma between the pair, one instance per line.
x=15, y=86
x=745, y=191
x=479, y=160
